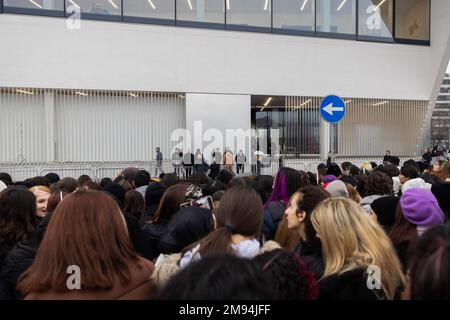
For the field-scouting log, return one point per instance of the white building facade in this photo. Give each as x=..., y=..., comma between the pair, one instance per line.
x=122, y=79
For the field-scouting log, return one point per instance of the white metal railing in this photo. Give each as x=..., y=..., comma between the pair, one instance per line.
x=99, y=170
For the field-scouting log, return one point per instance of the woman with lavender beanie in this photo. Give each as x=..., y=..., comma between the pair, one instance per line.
x=418, y=210
x=421, y=208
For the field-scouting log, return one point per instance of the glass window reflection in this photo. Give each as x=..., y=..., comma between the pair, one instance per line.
x=376, y=18
x=97, y=7
x=150, y=9
x=57, y=5
x=412, y=19
x=249, y=14
x=336, y=16
x=201, y=11
x=298, y=15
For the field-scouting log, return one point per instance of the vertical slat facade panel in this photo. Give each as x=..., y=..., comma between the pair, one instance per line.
x=22, y=126
x=112, y=126
x=369, y=128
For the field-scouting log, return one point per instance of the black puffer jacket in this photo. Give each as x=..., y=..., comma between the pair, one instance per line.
x=147, y=215
x=5, y=249
x=19, y=259
x=312, y=258
x=351, y=285
x=187, y=226
x=273, y=213
x=137, y=236
x=153, y=233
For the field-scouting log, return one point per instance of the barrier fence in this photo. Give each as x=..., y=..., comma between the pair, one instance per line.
x=99, y=170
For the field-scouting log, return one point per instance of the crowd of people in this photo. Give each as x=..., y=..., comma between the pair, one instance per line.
x=185, y=164
x=368, y=231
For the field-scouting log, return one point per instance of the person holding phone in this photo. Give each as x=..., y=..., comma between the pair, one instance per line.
x=205, y=202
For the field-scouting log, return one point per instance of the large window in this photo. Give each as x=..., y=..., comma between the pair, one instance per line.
x=198, y=12
x=294, y=15
x=51, y=7
x=249, y=14
x=160, y=11
x=412, y=20
x=336, y=17
x=298, y=131
x=396, y=21
x=97, y=8
x=375, y=19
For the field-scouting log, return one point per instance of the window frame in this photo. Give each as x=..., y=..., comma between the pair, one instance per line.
x=413, y=41
x=335, y=35
x=198, y=24
x=33, y=12
x=367, y=38
x=294, y=32
x=148, y=20
x=232, y=27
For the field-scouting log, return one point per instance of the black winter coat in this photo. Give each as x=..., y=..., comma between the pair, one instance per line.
x=5, y=249
x=137, y=236
x=187, y=226
x=273, y=213
x=351, y=285
x=312, y=258
x=153, y=233
x=19, y=259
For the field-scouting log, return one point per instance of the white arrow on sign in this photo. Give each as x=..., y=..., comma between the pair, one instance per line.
x=330, y=109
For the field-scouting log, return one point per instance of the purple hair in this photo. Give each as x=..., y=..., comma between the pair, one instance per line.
x=329, y=178
x=280, y=192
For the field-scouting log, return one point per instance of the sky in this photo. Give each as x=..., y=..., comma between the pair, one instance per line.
x=448, y=67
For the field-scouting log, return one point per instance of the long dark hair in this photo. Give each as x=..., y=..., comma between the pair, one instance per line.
x=263, y=185
x=240, y=212
x=170, y=202
x=17, y=215
x=402, y=230
x=287, y=182
x=311, y=196
x=134, y=204
x=430, y=265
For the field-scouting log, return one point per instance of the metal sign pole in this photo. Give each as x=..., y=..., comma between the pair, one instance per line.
x=332, y=110
x=332, y=127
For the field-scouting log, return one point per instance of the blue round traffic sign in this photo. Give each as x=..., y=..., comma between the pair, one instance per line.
x=332, y=109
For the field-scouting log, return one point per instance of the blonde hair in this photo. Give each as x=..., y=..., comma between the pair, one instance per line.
x=366, y=167
x=350, y=240
x=40, y=188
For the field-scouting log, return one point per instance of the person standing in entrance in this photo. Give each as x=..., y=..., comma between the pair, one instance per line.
x=428, y=156
x=177, y=161
x=216, y=161
x=159, y=162
x=198, y=161
x=228, y=160
x=188, y=161
x=329, y=159
x=387, y=156
x=240, y=161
